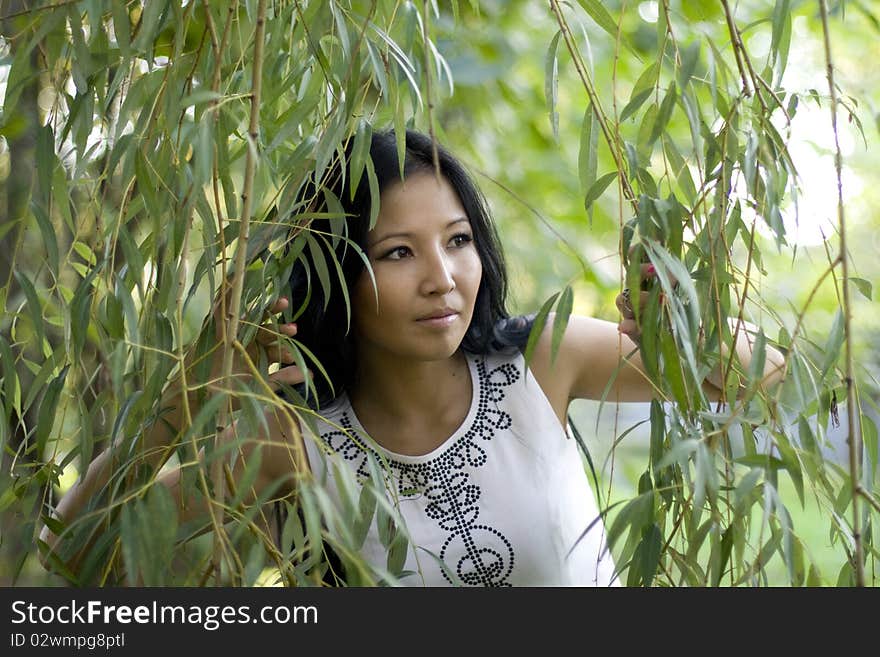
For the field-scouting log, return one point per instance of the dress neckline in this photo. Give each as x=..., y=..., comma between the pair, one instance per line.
x=443, y=446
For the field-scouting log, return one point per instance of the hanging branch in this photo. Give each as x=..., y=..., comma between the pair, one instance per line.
x=853, y=438
x=594, y=101
x=234, y=310
x=738, y=49
x=429, y=101
x=747, y=69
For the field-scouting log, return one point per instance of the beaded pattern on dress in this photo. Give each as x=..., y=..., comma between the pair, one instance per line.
x=478, y=554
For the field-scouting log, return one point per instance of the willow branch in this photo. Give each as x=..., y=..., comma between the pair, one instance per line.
x=738, y=48
x=594, y=101
x=234, y=309
x=430, y=103
x=868, y=498
x=853, y=438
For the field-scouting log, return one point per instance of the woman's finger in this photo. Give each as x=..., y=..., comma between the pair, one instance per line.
x=625, y=302
x=269, y=335
x=278, y=354
x=290, y=375
x=279, y=306
x=630, y=329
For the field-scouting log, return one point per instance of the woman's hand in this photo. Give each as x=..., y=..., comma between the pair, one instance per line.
x=625, y=300
x=269, y=340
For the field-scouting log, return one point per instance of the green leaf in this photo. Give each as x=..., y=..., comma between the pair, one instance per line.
x=359, y=153
x=863, y=286
x=664, y=114
x=641, y=91
x=158, y=520
x=341, y=30
x=679, y=453
x=121, y=417
x=397, y=553
x=744, y=489
x=680, y=169
x=121, y=27
x=246, y=479
x=869, y=438
x=148, y=27
x=672, y=368
x=551, y=82
x=11, y=386
x=724, y=554
x=759, y=358
x=588, y=153
x=320, y=263
x=34, y=307
x=658, y=432
x=86, y=438
x=598, y=13
x=80, y=310
x=833, y=344
x=366, y=511
x=538, y=328
x=560, y=320
x=46, y=415
x=638, y=513
x=342, y=283
x=199, y=97
x=374, y=193
x=761, y=461
x=21, y=71
x=689, y=59
x=47, y=234
x=598, y=187
x=646, y=558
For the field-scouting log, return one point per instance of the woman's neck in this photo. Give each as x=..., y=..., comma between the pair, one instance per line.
x=411, y=406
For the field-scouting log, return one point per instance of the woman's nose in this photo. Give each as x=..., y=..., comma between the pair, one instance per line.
x=438, y=275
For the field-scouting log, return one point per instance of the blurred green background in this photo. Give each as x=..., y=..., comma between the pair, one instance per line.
x=493, y=112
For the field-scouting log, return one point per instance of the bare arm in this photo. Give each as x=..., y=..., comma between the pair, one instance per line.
x=277, y=438
x=598, y=360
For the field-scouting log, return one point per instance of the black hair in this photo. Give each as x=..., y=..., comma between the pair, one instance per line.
x=322, y=325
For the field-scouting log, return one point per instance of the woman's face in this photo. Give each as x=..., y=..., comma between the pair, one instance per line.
x=427, y=272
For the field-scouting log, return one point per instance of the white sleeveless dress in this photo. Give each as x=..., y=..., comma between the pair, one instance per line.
x=504, y=501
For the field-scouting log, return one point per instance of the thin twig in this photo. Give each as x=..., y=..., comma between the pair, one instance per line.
x=429, y=103
x=233, y=312
x=738, y=49
x=853, y=438
x=613, y=145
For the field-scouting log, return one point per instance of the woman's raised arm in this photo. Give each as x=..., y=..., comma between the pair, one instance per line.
x=277, y=438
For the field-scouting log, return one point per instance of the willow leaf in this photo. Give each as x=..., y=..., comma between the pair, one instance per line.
x=862, y=286
x=833, y=344
x=641, y=91
x=538, y=328
x=588, y=153
x=598, y=187
x=603, y=19
x=551, y=82
x=46, y=414
x=33, y=305
x=560, y=320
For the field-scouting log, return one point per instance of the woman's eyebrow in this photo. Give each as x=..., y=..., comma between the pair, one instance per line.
x=404, y=234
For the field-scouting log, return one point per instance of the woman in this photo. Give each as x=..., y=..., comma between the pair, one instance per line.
x=430, y=389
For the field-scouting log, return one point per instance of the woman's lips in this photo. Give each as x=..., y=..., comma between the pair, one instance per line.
x=439, y=322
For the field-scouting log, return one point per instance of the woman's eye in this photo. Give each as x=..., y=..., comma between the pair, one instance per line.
x=462, y=239
x=397, y=253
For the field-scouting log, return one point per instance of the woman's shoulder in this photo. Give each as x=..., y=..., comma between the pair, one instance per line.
x=563, y=363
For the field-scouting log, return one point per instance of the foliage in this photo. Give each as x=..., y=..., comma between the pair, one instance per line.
x=170, y=142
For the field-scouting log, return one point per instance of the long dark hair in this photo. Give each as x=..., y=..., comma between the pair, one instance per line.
x=322, y=325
